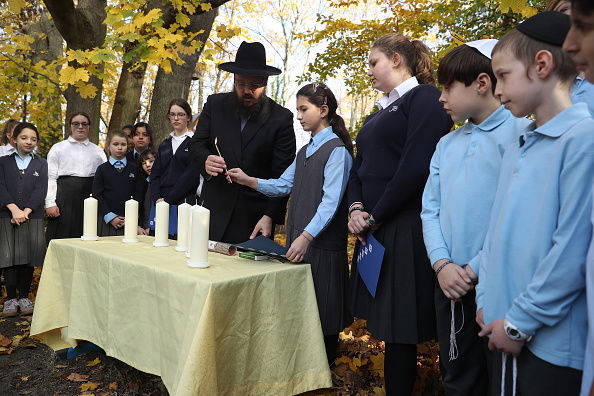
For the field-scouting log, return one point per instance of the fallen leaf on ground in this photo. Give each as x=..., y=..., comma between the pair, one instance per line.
x=61, y=366
x=87, y=386
x=4, y=342
x=17, y=339
x=94, y=362
x=25, y=378
x=113, y=386
x=77, y=377
x=5, y=351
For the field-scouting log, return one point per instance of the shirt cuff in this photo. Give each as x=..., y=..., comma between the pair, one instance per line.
x=438, y=254
x=109, y=217
x=49, y=204
x=263, y=186
x=475, y=264
x=522, y=321
x=312, y=231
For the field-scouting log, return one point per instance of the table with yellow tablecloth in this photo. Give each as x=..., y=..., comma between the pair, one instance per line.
x=240, y=327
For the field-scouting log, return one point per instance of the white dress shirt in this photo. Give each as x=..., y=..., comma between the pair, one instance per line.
x=6, y=150
x=397, y=92
x=71, y=158
x=176, y=141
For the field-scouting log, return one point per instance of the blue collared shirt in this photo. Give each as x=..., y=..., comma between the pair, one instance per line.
x=460, y=190
x=110, y=216
x=533, y=262
x=336, y=176
x=22, y=163
x=583, y=92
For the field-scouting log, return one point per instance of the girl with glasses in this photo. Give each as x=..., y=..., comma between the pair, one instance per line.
x=71, y=166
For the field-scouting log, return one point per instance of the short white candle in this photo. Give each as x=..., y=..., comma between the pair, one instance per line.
x=90, y=220
x=183, y=222
x=199, y=239
x=161, y=224
x=131, y=221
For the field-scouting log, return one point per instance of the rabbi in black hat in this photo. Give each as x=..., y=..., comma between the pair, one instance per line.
x=243, y=129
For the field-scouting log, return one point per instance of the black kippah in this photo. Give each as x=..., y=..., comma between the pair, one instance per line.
x=548, y=26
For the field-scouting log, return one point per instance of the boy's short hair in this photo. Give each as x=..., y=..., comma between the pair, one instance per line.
x=585, y=7
x=525, y=48
x=464, y=64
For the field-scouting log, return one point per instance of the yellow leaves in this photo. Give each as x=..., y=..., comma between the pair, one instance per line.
x=206, y=7
x=23, y=378
x=75, y=377
x=166, y=66
x=378, y=363
x=86, y=90
x=94, y=362
x=182, y=19
x=88, y=386
x=70, y=75
x=15, y=6
x=518, y=7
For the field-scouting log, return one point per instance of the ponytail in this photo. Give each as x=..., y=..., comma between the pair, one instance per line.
x=319, y=95
x=415, y=54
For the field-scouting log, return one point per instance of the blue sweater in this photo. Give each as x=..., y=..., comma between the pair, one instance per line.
x=394, y=148
x=25, y=191
x=174, y=178
x=112, y=188
x=533, y=262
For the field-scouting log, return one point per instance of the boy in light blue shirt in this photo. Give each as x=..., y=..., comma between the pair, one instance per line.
x=531, y=296
x=457, y=204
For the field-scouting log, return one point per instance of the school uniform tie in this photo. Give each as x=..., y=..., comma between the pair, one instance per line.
x=119, y=165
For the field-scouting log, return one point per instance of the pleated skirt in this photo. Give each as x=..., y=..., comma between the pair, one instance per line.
x=330, y=272
x=23, y=244
x=105, y=230
x=403, y=310
x=71, y=194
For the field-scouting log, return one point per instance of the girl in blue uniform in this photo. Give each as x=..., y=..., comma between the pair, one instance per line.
x=115, y=182
x=316, y=228
x=23, y=186
x=394, y=149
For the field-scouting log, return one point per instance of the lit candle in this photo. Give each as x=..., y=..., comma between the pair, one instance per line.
x=131, y=221
x=161, y=224
x=90, y=220
x=199, y=240
x=183, y=222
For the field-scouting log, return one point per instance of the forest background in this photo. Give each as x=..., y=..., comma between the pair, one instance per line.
x=123, y=61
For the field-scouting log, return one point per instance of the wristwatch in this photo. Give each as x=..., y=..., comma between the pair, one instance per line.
x=514, y=333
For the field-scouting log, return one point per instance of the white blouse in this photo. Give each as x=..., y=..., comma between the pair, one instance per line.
x=6, y=150
x=71, y=158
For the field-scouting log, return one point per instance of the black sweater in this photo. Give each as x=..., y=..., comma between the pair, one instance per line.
x=26, y=190
x=112, y=188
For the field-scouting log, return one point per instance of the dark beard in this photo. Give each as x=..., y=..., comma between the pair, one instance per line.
x=248, y=112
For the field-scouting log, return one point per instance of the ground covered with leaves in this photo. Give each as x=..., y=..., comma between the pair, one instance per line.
x=29, y=367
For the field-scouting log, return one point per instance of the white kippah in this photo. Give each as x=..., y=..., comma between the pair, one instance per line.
x=485, y=46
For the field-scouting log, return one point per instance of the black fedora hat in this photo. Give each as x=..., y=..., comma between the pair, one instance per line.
x=250, y=60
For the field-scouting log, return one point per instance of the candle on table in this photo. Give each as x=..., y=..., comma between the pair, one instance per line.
x=189, y=251
x=90, y=220
x=131, y=221
x=199, y=240
x=183, y=222
x=161, y=224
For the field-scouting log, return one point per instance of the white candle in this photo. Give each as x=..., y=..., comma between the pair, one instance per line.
x=161, y=224
x=199, y=240
x=183, y=222
x=131, y=221
x=90, y=220
x=189, y=251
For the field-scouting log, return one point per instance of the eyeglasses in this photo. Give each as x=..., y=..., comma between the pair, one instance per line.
x=250, y=86
x=173, y=115
x=80, y=124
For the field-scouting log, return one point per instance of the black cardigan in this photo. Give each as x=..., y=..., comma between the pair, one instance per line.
x=25, y=191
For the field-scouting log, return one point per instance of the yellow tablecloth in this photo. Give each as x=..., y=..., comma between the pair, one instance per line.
x=237, y=328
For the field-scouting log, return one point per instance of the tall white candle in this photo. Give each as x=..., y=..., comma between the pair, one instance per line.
x=183, y=222
x=161, y=224
x=189, y=251
x=131, y=221
x=90, y=220
x=199, y=240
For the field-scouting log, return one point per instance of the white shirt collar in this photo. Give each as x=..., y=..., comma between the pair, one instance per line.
x=188, y=133
x=73, y=140
x=397, y=92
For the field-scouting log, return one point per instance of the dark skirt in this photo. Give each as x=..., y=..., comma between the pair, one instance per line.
x=403, y=310
x=70, y=197
x=107, y=229
x=330, y=272
x=23, y=244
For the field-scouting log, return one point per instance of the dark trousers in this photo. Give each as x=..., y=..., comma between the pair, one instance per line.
x=534, y=376
x=400, y=369
x=465, y=373
x=18, y=277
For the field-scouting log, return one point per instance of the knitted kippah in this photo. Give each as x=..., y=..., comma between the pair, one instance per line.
x=550, y=27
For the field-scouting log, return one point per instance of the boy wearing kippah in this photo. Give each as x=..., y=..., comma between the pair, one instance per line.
x=457, y=204
x=531, y=296
x=580, y=44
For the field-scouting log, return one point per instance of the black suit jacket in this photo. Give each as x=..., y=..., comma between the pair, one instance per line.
x=264, y=149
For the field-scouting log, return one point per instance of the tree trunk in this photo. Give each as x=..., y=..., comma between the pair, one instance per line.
x=177, y=84
x=83, y=29
x=126, y=105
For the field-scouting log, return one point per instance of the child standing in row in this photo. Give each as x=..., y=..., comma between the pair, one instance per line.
x=580, y=44
x=145, y=166
x=531, y=295
x=6, y=138
x=316, y=228
x=23, y=186
x=115, y=182
x=457, y=204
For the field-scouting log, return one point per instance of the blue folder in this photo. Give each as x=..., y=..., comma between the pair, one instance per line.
x=172, y=219
x=369, y=262
x=263, y=245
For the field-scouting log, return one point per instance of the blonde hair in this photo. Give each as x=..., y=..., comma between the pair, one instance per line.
x=415, y=55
